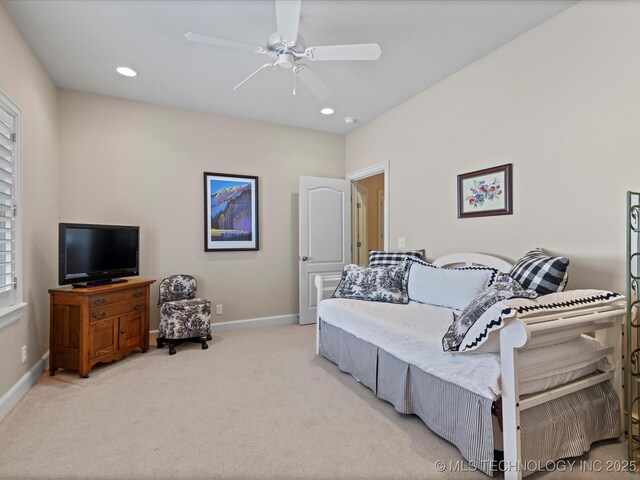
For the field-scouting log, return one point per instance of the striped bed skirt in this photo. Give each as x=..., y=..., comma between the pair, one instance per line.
x=564, y=427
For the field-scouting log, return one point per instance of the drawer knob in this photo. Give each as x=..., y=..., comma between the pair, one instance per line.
x=138, y=293
x=100, y=301
x=98, y=314
x=139, y=305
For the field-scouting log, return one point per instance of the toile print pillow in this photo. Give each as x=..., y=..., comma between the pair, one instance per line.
x=482, y=336
x=374, y=284
x=482, y=315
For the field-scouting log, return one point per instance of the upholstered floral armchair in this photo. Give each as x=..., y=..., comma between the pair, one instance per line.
x=183, y=317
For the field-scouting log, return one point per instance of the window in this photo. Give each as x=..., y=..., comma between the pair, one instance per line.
x=11, y=305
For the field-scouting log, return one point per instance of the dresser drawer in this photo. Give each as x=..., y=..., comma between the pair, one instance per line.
x=105, y=299
x=116, y=309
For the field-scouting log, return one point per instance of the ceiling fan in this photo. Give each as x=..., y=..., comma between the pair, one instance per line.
x=287, y=49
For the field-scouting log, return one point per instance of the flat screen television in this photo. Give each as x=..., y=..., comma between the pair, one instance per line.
x=97, y=254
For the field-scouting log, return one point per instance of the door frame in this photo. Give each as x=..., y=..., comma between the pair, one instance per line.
x=380, y=201
x=356, y=215
x=368, y=172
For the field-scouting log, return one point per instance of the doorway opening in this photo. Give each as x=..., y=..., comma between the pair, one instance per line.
x=367, y=216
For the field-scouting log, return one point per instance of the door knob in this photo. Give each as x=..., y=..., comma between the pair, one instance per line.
x=305, y=258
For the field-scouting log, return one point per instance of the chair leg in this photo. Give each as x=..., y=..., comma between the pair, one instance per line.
x=209, y=337
x=174, y=343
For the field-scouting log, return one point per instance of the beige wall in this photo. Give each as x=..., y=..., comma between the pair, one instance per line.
x=562, y=103
x=126, y=162
x=25, y=82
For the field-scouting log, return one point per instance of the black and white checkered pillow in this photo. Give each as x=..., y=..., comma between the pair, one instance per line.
x=379, y=258
x=540, y=272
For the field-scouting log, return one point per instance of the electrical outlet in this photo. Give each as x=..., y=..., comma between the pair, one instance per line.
x=219, y=309
x=401, y=242
x=24, y=354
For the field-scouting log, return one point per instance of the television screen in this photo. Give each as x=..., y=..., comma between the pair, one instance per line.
x=97, y=253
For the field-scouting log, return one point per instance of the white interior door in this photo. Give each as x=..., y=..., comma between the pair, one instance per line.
x=325, y=235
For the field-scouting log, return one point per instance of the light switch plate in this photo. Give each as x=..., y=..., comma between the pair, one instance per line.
x=401, y=242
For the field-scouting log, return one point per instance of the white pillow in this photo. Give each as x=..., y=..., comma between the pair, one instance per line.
x=482, y=336
x=562, y=301
x=448, y=287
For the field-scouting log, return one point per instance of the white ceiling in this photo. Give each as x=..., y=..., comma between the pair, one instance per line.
x=80, y=43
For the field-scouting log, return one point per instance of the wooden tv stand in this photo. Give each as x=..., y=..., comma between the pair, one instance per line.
x=97, y=324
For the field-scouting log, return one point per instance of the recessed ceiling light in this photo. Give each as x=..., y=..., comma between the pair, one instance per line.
x=327, y=111
x=126, y=71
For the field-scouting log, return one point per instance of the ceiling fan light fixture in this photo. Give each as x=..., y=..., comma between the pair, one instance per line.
x=285, y=60
x=327, y=111
x=350, y=120
x=127, y=72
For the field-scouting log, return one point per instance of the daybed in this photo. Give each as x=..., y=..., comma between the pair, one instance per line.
x=537, y=400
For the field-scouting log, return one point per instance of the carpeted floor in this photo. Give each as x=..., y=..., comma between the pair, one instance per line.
x=258, y=404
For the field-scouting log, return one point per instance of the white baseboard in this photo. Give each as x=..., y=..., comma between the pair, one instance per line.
x=277, y=321
x=22, y=386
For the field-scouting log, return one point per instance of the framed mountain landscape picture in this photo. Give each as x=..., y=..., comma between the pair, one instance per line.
x=230, y=212
x=485, y=192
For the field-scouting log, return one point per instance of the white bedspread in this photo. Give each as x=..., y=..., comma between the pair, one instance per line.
x=413, y=333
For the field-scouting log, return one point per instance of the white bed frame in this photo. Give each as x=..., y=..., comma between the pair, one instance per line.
x=606, y=321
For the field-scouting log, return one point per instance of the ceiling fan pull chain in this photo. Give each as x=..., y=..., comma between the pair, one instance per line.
x=295, y=74
x=262, y=67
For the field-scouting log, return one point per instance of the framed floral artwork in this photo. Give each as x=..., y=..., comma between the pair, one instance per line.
x=485, y=192
x=230, y=212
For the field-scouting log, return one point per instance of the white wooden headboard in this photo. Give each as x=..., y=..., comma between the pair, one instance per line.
x=471, y=259
x=326, y=284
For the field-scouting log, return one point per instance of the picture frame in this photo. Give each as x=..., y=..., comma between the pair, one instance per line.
x=230, y=212
x=486, y=192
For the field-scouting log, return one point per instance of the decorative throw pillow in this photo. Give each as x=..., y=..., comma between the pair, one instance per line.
x=482, y=336
x=375, y=284
x=473, y=325
x=379, y=258
x=540, y=272
x=495, y=273
x=561, y=302
x=447, y=287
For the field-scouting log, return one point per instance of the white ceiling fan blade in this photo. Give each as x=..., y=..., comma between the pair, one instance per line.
x=313, y=82
x=261, y=68
x=288, y=17
x=362, y=51
x=222, y=42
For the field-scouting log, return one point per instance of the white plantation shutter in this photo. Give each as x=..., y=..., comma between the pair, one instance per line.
x=8, y=207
